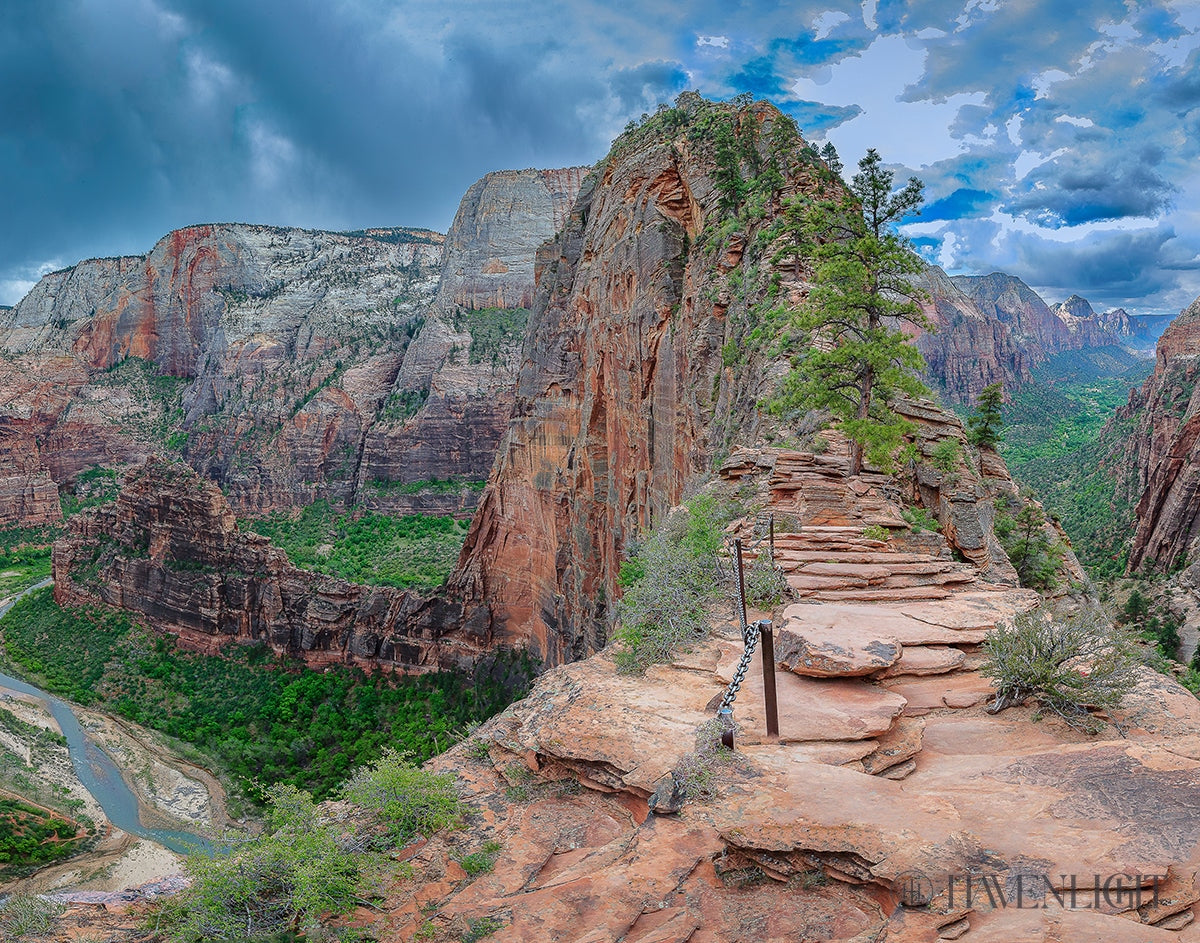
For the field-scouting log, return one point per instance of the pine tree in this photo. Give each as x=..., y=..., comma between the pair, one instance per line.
x=985, y=424
x=862, y=294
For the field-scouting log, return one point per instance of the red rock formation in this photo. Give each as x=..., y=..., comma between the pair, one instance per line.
x=170, y=552
x=1163, y=468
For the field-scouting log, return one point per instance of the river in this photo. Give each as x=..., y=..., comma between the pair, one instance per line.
x=96, y=769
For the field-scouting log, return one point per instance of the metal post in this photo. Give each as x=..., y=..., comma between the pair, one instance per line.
x=741, y=580
x=725, y=716
x=768, y=668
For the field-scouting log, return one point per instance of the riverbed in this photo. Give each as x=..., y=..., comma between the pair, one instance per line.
x=150, y=805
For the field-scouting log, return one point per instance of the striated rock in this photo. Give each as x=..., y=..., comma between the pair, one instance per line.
x=290, y=350
x=925, y=660
x=623, y=395
x=1162, y=471
x=971, y=348
x=170, y=551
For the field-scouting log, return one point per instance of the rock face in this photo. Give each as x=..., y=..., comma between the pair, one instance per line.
x=971, y=347
x=170, y=551
x=1037, y=327
x=286, y=365
x=623, y=396
x=457, y=379
x=1163, y=469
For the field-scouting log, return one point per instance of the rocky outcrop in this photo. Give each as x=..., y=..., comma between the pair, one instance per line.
x=1162, y=468
x=170, y=552
x=1087, y=329
x=456, y=383
x=865, y=819
x=624, y=395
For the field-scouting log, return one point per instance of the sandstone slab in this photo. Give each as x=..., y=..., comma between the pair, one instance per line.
x=925, y=660
x=819, y=653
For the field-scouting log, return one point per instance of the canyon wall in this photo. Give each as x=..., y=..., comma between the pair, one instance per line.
x=1162, y=467
x=170, y=551
x=286, y=365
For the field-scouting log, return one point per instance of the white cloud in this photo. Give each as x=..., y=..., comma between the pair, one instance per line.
x=720, y=42
x=915, y=133
x=824, y=24
x=18, y=282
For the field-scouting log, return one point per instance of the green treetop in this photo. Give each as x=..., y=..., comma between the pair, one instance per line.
x=985, y=424
x=862, y=293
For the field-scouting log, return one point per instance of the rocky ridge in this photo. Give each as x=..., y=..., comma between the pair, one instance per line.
x=170, y=552
x=887, y=791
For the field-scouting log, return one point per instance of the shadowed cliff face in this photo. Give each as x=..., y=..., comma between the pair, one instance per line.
x=1164, y=466
x=170, y=551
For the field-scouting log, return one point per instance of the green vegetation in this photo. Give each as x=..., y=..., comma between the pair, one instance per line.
x=985, y=424
x=410, y=552
x=1067, y=666
x=1159, y=627
x=1035, y=555
x=492, y=330
x=409, y=801
x=91, y=488
x=857, y=360
x=286, y=879
x=265, y=721
x=453, y=485
x=482, y=861
x=699, y=773
x=669, y=580
x=20, y=569
x=28, y=916
x=32, y=837
x=481, y=928
x=402, y=405
x=919, y=519
x=1056, y=443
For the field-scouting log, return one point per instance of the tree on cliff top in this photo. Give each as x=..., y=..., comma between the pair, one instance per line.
x=985, y=424
x=862, y=294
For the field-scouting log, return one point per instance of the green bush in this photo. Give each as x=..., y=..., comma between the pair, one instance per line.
x=287, y=878
x=919, y=519
x=408, y=800
x=1033, y=553
x=25, y=915
x=668, y=584
x=1067, y=666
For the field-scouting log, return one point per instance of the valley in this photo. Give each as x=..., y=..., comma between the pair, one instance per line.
x=319, y=508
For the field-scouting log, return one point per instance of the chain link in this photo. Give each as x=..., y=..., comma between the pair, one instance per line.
x=750, y=636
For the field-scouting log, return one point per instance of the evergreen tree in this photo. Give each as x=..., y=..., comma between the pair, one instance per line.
x=829, y=154
x=862, y=294
x=985, y=424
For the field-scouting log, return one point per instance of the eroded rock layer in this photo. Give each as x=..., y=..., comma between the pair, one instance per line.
x=170, y=551
x=286, y=365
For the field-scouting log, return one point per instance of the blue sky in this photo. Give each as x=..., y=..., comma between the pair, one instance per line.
x=1057, y=140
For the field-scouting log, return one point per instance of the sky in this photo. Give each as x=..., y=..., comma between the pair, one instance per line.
x=1057, y=140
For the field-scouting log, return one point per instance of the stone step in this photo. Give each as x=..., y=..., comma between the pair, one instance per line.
x=886, y=558
x=874, y=593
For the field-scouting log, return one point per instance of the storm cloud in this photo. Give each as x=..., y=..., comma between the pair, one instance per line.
x=1043, y=131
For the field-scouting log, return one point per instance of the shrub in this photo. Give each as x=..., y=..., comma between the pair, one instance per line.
x=1068, y=666
x=698, y=773
x=1031, y=551
x=765, y=583
x=26, y=915
x=285, y=879
x=920, y=519
x=480, y=862
x=410, y=801
x=668, y=583
x=946, y=455
x=876, y=532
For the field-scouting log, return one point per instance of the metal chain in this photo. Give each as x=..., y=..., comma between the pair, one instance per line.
x=750, y=636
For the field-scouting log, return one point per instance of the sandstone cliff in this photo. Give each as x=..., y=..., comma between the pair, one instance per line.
x=1162, y=471
x=286, y=365
x=645, y=365
x=970, y=347
x=170, y=552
